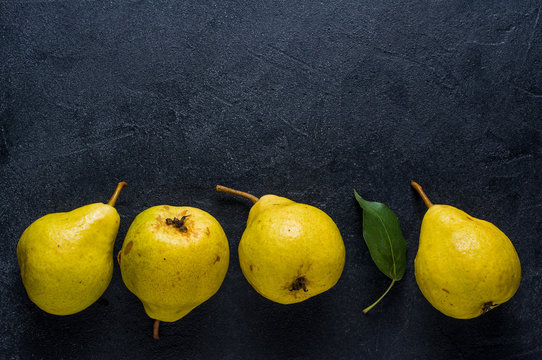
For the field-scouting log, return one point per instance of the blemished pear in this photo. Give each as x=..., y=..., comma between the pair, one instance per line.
x=289, y=251
x=173, y=259
x=464, y=266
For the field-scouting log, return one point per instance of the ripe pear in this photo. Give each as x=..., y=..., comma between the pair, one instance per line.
x=66, y=259
x=173, y=259
x=289, y=251
x=464, y=266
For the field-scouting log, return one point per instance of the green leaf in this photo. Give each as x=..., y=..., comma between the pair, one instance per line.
x=383, y=236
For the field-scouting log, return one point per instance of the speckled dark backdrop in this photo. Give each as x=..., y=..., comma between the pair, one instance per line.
x=302, y=99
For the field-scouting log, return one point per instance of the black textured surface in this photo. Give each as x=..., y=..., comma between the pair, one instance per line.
x=304, y=100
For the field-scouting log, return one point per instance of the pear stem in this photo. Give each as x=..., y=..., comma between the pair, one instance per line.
x=156, y=329
x=366, y=310
x=115, y=196
x=227, y=190
x=418, y=188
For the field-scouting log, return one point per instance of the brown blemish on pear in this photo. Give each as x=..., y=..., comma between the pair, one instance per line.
x=298, y=284
x=178, y=223
x=128, y=247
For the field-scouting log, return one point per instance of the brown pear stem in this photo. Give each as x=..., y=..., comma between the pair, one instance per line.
x=227, y=190
x=115, y=196
x=418, y=188
x=156, y=329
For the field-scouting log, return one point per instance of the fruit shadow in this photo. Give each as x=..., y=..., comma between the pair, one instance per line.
x=497, y=334
x=48, y=336
x=289, y=331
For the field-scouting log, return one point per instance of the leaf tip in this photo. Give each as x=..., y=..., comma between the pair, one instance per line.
x=358, y=196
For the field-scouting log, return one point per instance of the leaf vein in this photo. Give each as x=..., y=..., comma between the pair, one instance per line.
x=389, y=243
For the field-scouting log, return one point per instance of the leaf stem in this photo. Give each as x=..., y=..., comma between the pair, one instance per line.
x=366, y=310
x=418, y=188
x=220, y=188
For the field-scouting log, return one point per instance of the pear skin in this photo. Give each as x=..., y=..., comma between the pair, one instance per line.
x=66, y=259
x=289, y=251
x=464, y=266
x=173, y=259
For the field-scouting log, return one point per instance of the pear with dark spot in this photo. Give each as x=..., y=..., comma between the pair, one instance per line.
x=464, y=266
x=173, y=259
x=289, y=251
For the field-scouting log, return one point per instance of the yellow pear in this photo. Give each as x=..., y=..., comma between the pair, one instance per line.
x=289, y=251
x=173, y=259
x=464, y=266
x=66, y=259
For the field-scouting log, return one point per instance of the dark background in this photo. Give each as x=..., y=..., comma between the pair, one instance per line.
x=305, y=100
